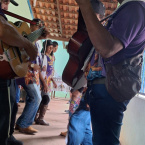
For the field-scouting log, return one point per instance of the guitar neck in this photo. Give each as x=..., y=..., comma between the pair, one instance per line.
x=35, y=35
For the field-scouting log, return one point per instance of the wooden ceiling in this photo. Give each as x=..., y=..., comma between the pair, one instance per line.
x=61, y=16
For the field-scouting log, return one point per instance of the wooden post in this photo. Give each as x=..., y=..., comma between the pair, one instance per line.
x=51, y=94
x=54, y=94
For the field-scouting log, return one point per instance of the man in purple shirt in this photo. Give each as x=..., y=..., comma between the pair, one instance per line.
x=123, y=37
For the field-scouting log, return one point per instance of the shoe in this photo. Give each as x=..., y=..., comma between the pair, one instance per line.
x=67, y=111
x=41, y=122
x=28, y=130
x=13, y=141
x=63, y=134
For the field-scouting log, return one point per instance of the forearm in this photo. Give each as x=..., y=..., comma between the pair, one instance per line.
x=9, y=34
x=52, y=80
x=41, y=78
x=103, y=41
x=12, y=37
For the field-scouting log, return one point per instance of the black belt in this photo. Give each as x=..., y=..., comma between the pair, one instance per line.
x=96, y=81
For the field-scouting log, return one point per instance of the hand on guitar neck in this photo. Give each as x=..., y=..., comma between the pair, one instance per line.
x=45, y=34
x=17, y=48
x=12, y=37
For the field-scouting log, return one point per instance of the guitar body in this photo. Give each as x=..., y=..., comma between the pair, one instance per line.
x=78, y=48
x=17, y=64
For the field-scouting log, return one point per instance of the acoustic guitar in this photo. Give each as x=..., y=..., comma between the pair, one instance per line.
x=79, y=47
x=14, y=61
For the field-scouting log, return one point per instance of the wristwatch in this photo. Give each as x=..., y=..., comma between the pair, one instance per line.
x=32, y=65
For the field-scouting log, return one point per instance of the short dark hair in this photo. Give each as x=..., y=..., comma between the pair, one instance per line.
x=55, y=43
x=12, y=1
x=38, y=22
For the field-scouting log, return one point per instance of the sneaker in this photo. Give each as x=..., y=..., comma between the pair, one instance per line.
x=67, y=111
x=13, y=141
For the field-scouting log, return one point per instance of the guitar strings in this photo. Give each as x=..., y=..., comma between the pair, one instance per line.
x=35, y=33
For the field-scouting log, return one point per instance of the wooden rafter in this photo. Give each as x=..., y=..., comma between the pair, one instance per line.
x=61, y=16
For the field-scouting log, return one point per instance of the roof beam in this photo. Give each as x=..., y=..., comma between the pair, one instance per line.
x=54, y=10
x=58, y=38
x=46, y=15
x=69, y=5
x=69, y=24
x=68, y=18
x=34, y=3
x=69, y=12
x=59, y=16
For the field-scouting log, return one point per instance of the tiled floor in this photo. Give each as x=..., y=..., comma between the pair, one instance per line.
x=48, y=135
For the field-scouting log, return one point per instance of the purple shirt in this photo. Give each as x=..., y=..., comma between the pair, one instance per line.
x=50, y=61
x=128, y=25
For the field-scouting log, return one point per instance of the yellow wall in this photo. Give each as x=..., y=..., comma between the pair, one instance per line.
x=22, y=10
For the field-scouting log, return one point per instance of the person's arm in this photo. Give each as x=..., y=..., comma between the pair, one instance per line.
x=75, y=95
x=12, y=37
x=106, y=44
x=54, y=83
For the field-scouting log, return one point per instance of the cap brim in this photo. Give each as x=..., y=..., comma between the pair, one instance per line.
x=14, y=3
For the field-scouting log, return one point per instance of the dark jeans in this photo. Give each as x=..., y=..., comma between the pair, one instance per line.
x=7, y=103
x=106, y=115
x=14, y=106
x=5, y=109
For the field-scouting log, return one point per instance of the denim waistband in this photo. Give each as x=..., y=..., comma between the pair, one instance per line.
x=96, y=81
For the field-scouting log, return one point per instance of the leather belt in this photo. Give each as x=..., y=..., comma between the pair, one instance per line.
x=96, y=81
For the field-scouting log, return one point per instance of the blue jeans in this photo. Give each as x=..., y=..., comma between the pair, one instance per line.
x=33, y=99
x=106, y=115
x=17, y=93
x=79, y=129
